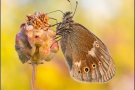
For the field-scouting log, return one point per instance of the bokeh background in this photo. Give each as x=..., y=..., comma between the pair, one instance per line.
x=111, y=20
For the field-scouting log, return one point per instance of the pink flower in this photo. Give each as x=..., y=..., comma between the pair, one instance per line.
x=35, y=42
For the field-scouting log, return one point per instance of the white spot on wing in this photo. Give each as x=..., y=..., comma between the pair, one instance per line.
x=92, y=52
x=78, y=63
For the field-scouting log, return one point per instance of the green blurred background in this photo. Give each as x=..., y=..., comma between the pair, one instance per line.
x=111, y=20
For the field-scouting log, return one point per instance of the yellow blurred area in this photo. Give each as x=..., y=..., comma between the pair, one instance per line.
x=111, y=20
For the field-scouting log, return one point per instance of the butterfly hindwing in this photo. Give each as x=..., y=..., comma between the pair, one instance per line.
x=88, y=58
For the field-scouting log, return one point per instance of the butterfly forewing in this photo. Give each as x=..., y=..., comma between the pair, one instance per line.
x=88, y=58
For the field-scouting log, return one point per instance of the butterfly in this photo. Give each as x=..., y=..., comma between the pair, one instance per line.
x=87, y=56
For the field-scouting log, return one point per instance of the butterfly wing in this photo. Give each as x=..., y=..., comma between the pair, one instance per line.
x=88, y=58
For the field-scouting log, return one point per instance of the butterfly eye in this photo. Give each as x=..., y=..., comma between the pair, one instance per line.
x=97, y=45
x=86, y=69
x=93, y=66
x=79, y=71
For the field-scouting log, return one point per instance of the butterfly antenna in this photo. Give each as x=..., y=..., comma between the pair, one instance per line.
x=70, y=4
x=75, y=8
x=56, y=11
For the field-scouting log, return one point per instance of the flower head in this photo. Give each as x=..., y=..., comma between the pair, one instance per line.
x=35, y=42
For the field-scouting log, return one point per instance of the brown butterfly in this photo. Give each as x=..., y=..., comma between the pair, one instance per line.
x=87, y=56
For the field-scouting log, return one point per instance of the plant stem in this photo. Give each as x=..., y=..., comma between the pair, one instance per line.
x=34, y=69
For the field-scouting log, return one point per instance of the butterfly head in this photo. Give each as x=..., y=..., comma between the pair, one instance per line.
x=66, y=23
x=67, y=16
